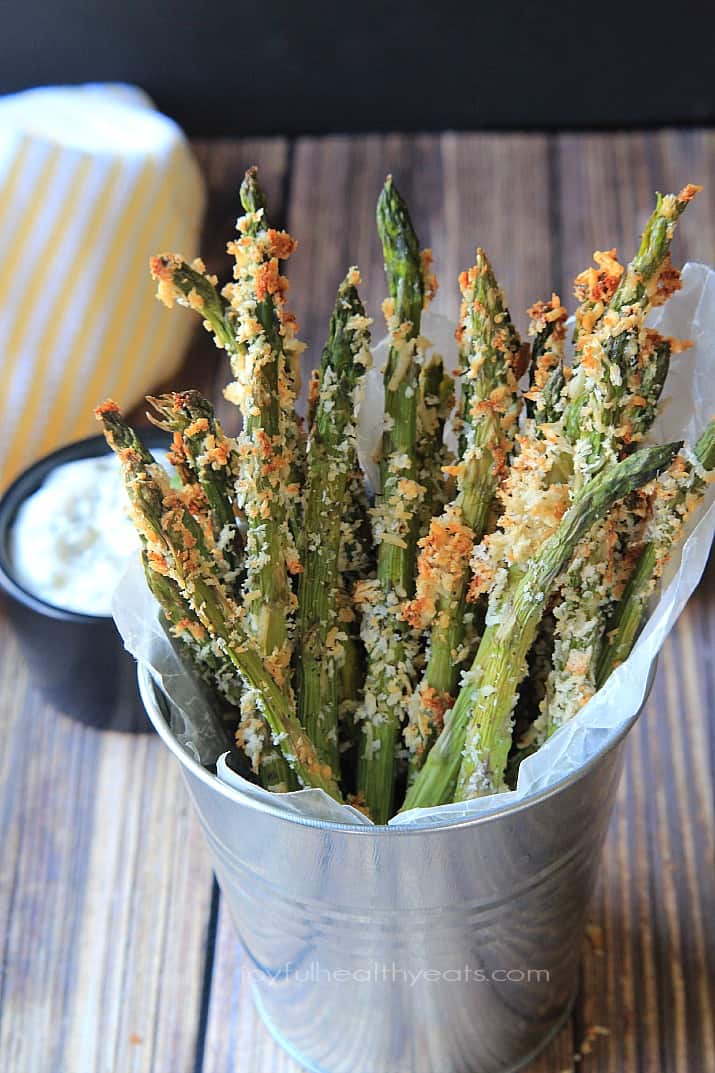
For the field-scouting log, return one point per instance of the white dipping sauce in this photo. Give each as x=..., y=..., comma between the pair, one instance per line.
x=71, y=538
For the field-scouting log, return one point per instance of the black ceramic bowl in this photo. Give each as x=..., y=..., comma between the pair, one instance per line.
x=77, y=661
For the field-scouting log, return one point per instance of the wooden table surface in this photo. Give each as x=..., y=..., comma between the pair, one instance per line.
x=117, y=952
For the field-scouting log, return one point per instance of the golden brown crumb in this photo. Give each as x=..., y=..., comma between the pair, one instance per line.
x=543, y=313
x=282, y=245
x=109, y=406
x=689, y=192
x=201, y=424
x=429, y=278
x=158, y=562
x=443, y=559
x=162, y=267
x=598, y=285
x=436, y=703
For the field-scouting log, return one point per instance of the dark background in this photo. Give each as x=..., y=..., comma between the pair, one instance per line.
x=262, y=67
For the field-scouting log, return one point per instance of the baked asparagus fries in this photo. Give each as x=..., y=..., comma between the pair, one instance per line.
x=375, y=643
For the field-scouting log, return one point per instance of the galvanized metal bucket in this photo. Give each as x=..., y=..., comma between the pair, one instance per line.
x=375, y=950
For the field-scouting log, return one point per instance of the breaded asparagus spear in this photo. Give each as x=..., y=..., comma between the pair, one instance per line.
x=547, y=327
x=608, y=371
x=217, y=671
x=594, y=288
x=676, y=495
x=544, y=407
x=332, y=458
x=183, y=623
x=593, y=575
x=641, y=407
x=490, y=364
x=434, y=406
x=469, y=757
x=201, y=448
x=263, y=390
x=248, y=319
x=176, y=548
x=388, y=641
x=617, y=360
x=190, y=285
x=405, y=271
x=357, y=560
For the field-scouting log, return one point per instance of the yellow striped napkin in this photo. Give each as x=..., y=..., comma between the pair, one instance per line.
x=93, y=180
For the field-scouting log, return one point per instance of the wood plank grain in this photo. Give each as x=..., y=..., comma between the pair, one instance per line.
x=334, y=187
x=651, y=982
x=103, y=866
x=498, y=195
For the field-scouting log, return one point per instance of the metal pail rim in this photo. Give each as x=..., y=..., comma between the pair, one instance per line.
x=150, y=691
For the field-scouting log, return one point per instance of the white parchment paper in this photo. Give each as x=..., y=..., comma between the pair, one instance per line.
x=688, y=405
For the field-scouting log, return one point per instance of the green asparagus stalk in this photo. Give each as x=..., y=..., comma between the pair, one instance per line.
x=216, y=671
x=263, y=389
x=184, y=624
x=258, y=301
x=490, y=355
x=190, y=285
x=176, y=547
x=546, y=372
x=434, y=406
x=388, y=641
x=332, y=458
x=469, y=757
x=625, y=624
x=641, y=408
x=249, y=320
x=618, y=361
x=608, y=357
x=490, y=352
x=351, y=673
x=202, y=450
x=264, y=365
x=531, y=693
x=357, y=560
x=357, y=552
x=674, y=500
x=544, y=406
x=594, y=289
x=596, y=580
x=406, y=286
x=274, y=770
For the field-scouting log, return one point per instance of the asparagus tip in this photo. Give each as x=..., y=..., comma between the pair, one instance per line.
x=109, y=406
x=391, y=204
x=252, y=197
x=163, y=265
